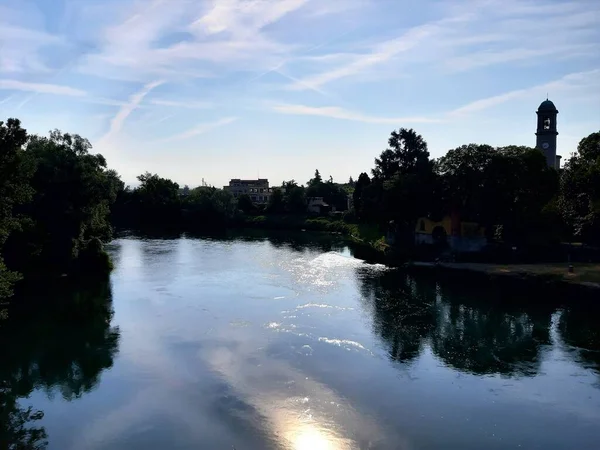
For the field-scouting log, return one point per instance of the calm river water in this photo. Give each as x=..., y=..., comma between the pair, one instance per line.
x=292, y=343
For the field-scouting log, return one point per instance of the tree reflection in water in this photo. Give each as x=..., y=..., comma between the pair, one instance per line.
x=59, y=340
x=579, y=328
x=475, y=328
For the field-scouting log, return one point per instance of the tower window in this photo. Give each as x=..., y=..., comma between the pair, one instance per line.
x=547, y=123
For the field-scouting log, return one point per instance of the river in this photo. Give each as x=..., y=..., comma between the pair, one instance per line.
x=290, y=342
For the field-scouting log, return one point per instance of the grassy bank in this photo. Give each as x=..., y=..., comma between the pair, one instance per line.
x=366, y=234
x=583, y=275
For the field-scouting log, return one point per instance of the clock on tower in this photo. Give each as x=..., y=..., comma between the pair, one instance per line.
x=546, y=131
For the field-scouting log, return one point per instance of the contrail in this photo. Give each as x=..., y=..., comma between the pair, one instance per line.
x=308, y=86
x=56, y=73
x=310, y=49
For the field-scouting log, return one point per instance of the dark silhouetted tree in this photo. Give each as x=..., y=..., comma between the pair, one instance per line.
x=73, y=192
x=579, y=201
x=294, y=197
x=244, y=203
x=276, y=201
x=15, y=172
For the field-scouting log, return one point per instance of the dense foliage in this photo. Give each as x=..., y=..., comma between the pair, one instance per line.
x=332, y=193
x=580, y=191
x=15, y=172
x=54, y=205
x=509, y=190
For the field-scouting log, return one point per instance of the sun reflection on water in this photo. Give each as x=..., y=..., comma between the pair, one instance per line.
x=311, y=438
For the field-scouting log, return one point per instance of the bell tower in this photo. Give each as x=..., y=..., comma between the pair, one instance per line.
x=546, y=131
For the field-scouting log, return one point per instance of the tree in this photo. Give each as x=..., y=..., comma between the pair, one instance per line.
x=466, y=179
x=69, y=209
x=407, y=153
x=316, y=180
x=157, y=200
x=15, y=172
x=403, y=182
x=209, y=207
x=508, y=187
x=579, y=200
x=276, y=201
x=157, y=192
x=589, y=147
x=294, y=197
x=244, y=202
x=357, y=196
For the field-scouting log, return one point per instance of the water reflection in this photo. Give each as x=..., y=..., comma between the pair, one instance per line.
x=58, y=341
x=297, y=241
x=288, y=343
x=17, y=425
x=579, y=328
x=473, y=328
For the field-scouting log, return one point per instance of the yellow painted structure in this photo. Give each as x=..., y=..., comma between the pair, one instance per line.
x=426, y=226
x=467, y=229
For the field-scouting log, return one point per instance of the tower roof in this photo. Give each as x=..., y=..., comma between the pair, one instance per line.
x=547, y=105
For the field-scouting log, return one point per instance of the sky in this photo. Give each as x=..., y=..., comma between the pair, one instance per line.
x=220, y=89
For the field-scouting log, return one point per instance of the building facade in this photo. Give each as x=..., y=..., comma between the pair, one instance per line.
x=316, y=205
x=546, y=132
x=258, y=190
x=459, y=236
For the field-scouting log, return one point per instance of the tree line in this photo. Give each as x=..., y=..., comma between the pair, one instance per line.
x=162, y=202
x=59, y=202
x=508, y=190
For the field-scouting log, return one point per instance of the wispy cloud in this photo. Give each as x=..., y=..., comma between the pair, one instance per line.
x=227, y=34
x=116, y=124
x=21, y=48
x=488, y=58
x=6, y=99
x=380, y=53
x=106, y=101
x=332, y=7
x=586, y=80
x=40, y=88
x=181, y=104
x=469, y=37
x=163, y=119
x=201, y=129
x=442, y=61
x=245, y=17
x=335, y=112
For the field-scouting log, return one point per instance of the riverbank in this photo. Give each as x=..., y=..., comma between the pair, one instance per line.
x=585, y=276
x=366, y=234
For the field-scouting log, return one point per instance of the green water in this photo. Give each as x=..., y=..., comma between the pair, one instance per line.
x=292, y=343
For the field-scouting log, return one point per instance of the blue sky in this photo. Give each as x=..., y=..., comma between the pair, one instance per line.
x=193, y=89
